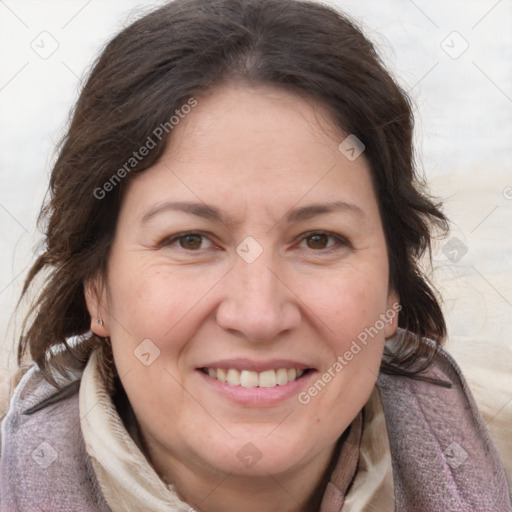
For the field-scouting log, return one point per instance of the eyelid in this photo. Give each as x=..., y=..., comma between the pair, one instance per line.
x=341, y=240
x=172, y=239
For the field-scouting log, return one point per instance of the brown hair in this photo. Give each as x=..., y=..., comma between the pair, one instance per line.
x=148, y=72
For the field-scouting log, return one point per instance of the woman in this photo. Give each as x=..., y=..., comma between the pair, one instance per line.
x=234, y=315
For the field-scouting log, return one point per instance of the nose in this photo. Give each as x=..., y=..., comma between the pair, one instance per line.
x=258, y=302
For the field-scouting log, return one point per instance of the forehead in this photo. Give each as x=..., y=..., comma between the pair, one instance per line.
x=268, y=124
x=255, y=148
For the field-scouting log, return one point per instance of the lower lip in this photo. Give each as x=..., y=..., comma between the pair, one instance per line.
x=258, y=397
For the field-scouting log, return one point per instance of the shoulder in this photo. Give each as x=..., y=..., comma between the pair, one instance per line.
x=44, y=464
x=19, y=390
x=30, y=415
x=487, y=369
x=6, y=389
x=438, y=430
x=475, y=376
x=26, y=389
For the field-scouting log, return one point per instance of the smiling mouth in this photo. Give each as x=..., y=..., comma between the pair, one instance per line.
x=250, y=379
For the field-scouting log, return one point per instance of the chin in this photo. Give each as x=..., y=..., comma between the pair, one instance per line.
x=259, y=455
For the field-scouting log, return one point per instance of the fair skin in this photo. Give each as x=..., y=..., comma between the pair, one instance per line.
x=257, y=155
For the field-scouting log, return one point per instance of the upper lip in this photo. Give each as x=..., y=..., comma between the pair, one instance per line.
x=256, y=366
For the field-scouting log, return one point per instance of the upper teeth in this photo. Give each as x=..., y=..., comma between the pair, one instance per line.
x=249, y=379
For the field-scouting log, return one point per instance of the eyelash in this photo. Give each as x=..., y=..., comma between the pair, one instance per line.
x=175, y=238
x=340, y=242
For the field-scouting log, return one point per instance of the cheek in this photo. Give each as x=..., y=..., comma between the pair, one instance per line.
x=348, y=311
x=152, y=318
x=151, y=301
x=348, y=302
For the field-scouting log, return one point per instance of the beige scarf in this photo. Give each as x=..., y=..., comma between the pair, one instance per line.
x=130, y=484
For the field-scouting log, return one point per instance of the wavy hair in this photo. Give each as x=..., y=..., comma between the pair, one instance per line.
x=151, y=69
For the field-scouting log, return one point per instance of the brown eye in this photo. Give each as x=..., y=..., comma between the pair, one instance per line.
x=317, y=241
x=190, y=242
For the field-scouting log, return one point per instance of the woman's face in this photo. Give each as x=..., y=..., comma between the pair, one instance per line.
x=254, y=252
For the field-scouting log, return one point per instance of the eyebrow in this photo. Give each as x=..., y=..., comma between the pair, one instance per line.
x=209, y=212
x=307, y=212
x=198, y=209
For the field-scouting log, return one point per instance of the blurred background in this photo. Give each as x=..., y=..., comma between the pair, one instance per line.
x=454, y=58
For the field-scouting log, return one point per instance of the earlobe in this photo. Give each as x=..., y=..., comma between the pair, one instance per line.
x=95, y=298
x=392, y=311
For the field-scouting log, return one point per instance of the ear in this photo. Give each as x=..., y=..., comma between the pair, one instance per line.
x=393, y=308
x=96, y=300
